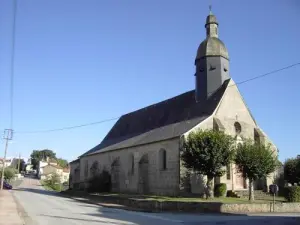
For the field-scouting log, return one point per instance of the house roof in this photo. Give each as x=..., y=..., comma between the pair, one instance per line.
x=164, y=120
x=55, y=166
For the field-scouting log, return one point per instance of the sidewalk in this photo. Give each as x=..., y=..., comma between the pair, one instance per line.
x=8, y=209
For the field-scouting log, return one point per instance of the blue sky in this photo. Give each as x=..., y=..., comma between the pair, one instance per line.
x=82, y=61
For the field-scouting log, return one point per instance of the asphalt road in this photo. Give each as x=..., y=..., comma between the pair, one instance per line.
x=40, y=207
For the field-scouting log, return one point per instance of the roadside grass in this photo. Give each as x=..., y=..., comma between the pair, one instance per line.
x=265, y=199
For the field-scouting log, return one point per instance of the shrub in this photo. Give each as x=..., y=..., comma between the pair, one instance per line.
x=100, y=183
x=292, y=194
x=9, y=173
x=220, y=190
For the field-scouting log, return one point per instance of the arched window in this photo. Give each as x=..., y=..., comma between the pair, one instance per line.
x=131, y=164
x=86, y=169
x=162, y=159
x=238, y=128
x=94, y=168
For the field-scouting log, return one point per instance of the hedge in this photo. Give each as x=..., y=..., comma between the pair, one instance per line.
x=220, y=190
x=292, y=194
x=100, y=183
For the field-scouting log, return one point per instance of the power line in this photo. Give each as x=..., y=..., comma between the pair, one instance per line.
x=68, y=128
x=269, y=73
x=107, y=120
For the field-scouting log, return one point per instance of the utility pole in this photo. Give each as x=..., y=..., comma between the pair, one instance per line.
x=8, y=133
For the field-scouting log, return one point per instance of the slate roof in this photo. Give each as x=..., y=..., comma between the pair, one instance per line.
x=164, y=120
x=75, y=161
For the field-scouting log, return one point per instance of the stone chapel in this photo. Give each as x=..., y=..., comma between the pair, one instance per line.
x=142, y=150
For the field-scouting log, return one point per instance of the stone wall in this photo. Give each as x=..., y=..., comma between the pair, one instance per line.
x=74, y=177
x=200, y=207
x=128, y=177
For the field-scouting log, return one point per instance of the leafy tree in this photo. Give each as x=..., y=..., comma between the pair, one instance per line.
x=255, y=161
x=9, y=173
x=207, y=152
x=38, y=155
x=62, y=162
x=292, y=170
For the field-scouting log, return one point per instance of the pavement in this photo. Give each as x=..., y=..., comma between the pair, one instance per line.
x=37, y=206
x=9, y=209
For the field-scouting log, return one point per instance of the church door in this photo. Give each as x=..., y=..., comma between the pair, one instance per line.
x=240, y=182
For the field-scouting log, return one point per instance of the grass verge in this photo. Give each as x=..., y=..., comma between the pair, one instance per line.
x=265, y=199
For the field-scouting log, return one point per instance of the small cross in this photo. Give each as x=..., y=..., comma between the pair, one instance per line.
x=210, y=12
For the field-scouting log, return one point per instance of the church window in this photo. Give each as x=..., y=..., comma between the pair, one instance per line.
x=94, y=170
x=86, y=169
x=162, y=159
x=131, y=164
x=238, y=128
x=228, y=172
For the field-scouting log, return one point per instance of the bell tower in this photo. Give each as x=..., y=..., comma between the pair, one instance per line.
x=212, y=61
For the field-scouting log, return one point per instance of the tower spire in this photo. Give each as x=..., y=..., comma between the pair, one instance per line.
x=211, y=24
x=210, y=12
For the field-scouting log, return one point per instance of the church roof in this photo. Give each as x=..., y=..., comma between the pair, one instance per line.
x=212, y=46
x=165, y=120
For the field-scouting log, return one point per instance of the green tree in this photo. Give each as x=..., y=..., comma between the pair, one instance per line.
x=9, y=173
x=38, y=155
x=207, y=152
x=292, y=170
x=255, y=161
x=62, y=162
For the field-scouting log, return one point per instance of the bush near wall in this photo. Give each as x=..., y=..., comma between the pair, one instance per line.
x=220, y=190
x=292, y=194
x=100, y=183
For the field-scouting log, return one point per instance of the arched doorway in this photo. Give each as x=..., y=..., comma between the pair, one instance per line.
x=143, y=185
x=240, y=182
x=115, y=175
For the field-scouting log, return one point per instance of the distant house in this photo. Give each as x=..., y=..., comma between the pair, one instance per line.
x=48, y=167
x=28, y=167
x=8, y=162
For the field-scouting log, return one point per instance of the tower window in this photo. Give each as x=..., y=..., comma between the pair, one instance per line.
x=212, y=67
x=238, y=128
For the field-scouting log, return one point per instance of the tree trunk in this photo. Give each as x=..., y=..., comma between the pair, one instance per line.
x=251, y=192
x=209, y=186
